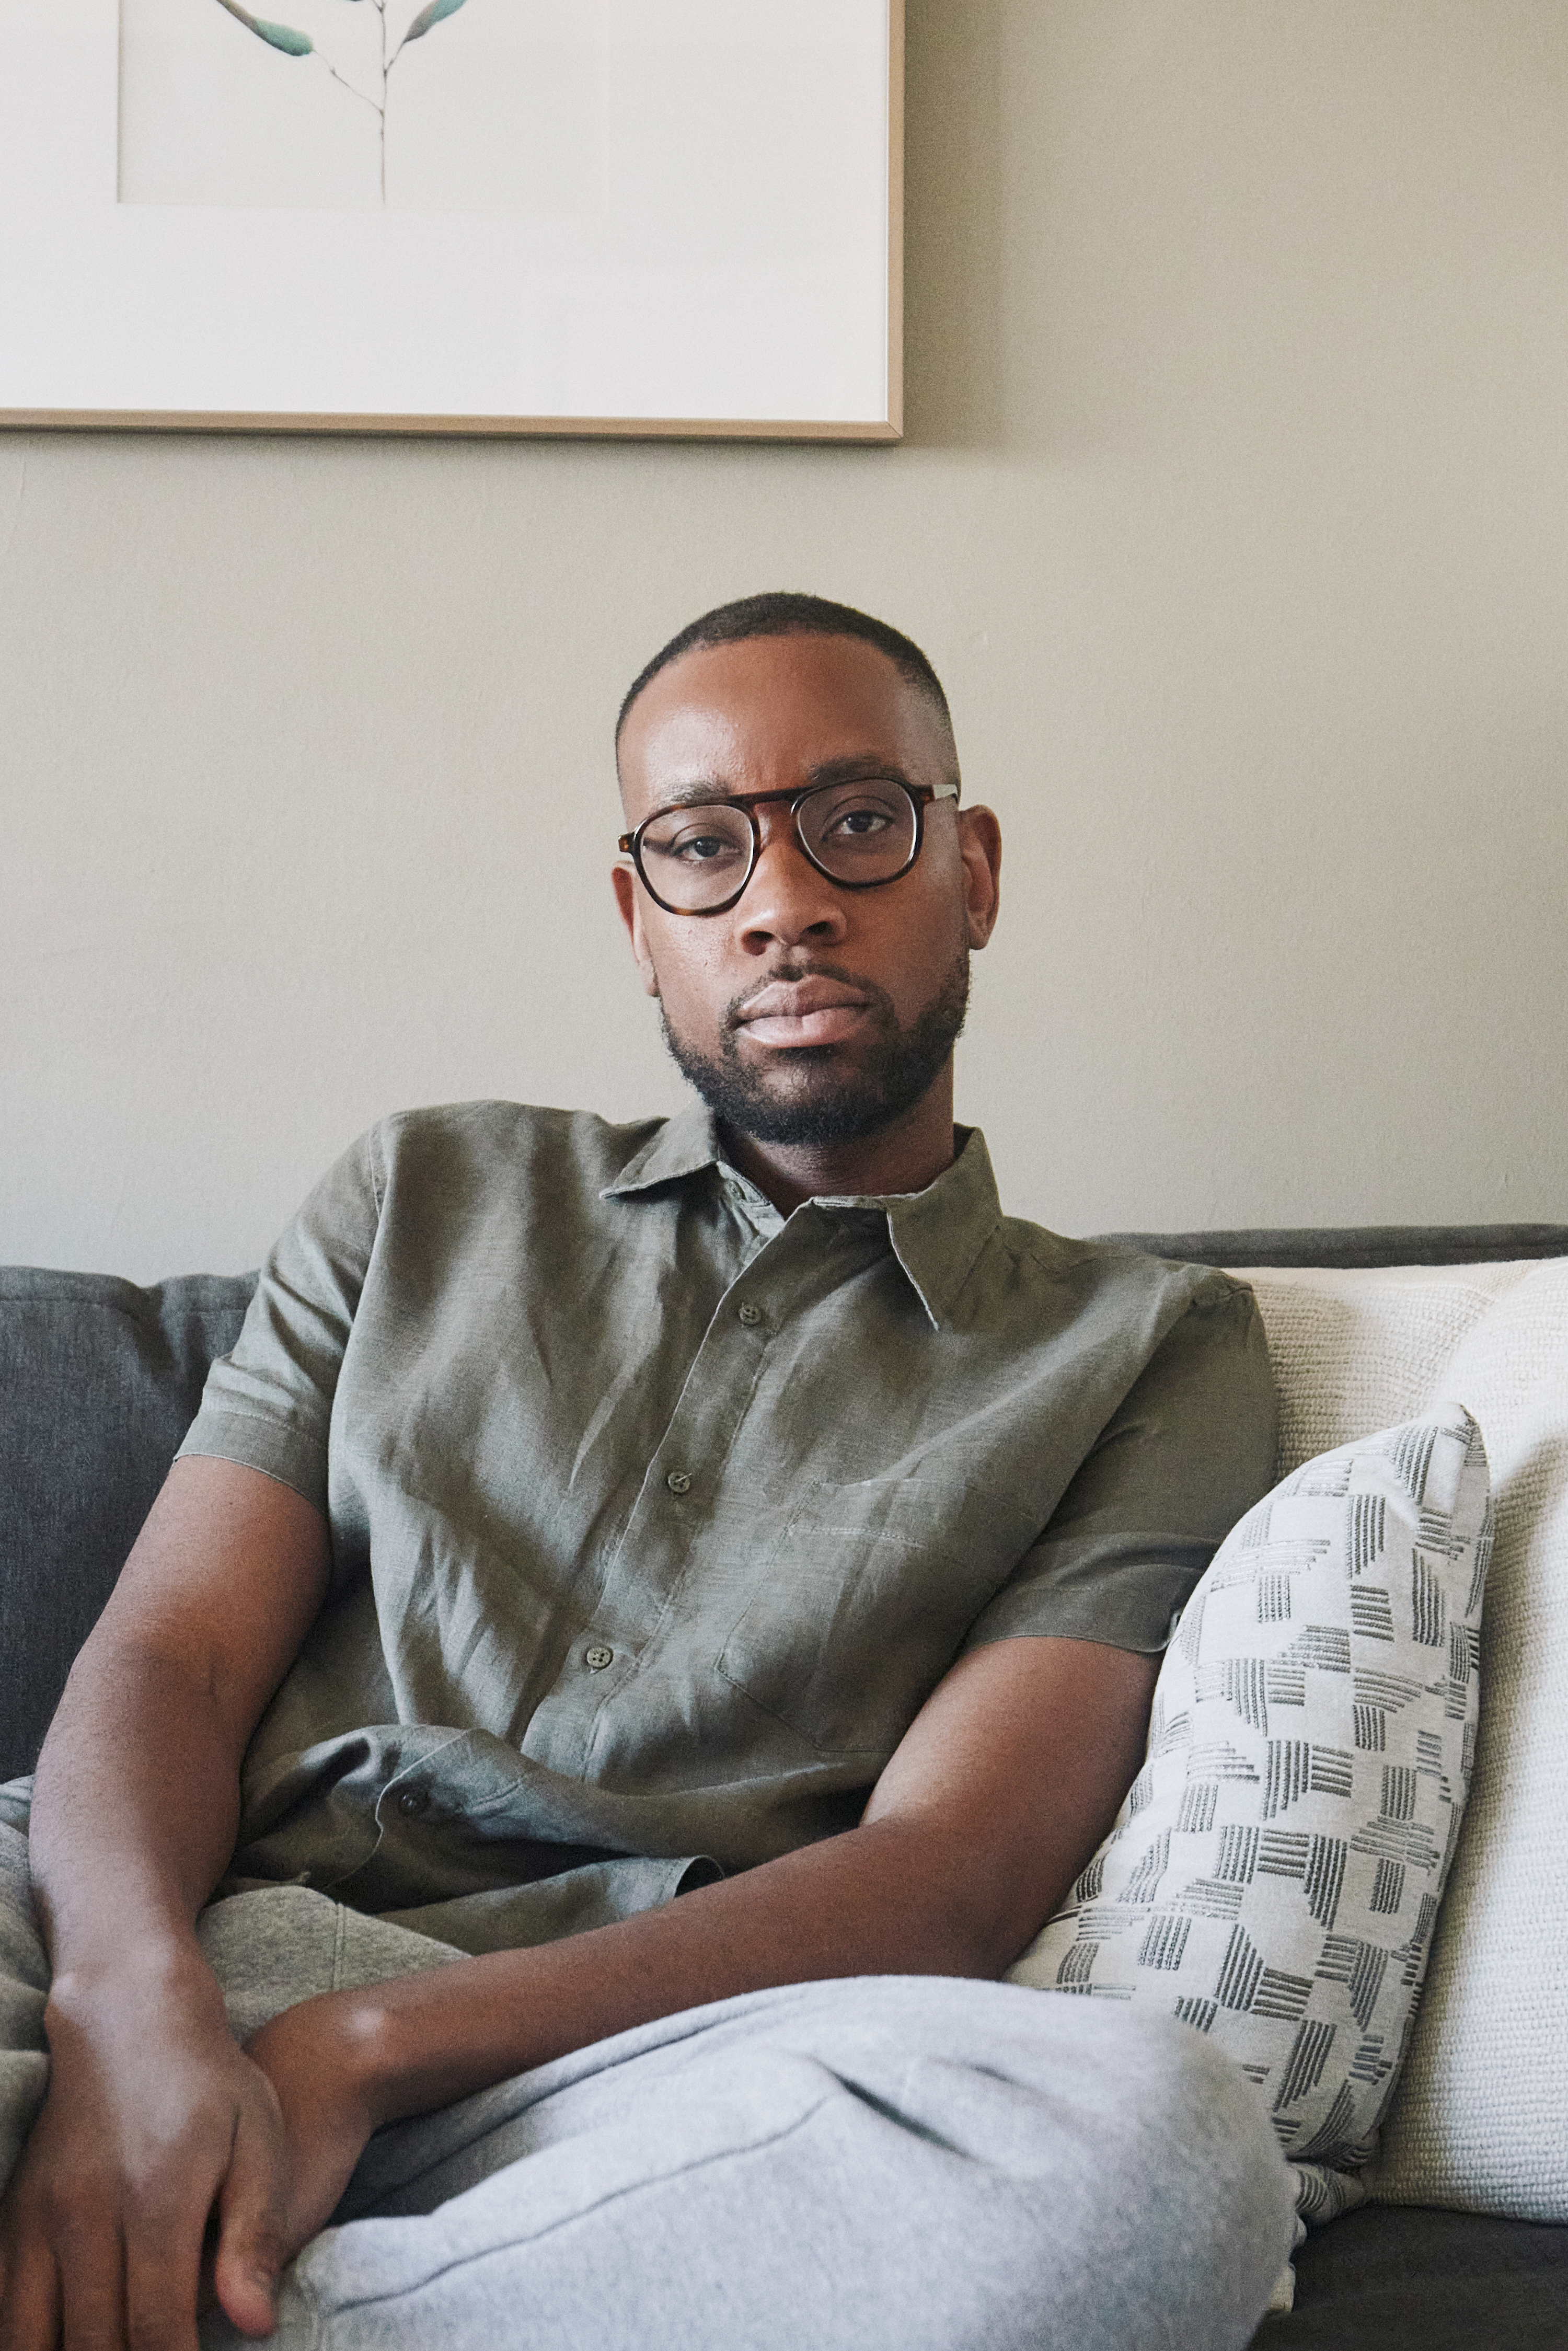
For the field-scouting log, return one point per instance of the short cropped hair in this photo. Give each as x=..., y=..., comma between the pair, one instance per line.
x=780, y=613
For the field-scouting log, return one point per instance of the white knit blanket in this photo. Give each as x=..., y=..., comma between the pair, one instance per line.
x=1480, y=2120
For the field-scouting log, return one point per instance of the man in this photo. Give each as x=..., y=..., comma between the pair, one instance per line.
x=737, y=1509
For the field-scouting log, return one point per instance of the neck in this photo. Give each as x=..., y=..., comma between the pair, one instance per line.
x=904, y=1156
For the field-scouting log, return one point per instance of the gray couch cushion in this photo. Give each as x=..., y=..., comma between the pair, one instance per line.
x=1403, y=2278
x=99, y=1382
x=1354, y=1246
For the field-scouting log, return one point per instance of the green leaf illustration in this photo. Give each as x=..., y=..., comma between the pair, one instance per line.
x=431, y=14
x=278, y=36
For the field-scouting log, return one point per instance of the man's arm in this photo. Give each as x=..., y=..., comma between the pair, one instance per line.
x=152, y=2114
x=999, y=1794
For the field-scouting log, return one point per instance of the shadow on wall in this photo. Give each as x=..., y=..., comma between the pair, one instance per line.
x=952, y=224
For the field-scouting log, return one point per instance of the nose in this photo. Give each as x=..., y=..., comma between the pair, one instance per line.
x=787, y=901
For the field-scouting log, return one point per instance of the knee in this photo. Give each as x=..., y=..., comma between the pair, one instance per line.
x=1094, y=2085
x=1116, y=2169
x=1193, y=2199
x=1154, y=2085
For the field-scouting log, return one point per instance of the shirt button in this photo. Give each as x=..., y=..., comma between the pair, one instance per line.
x=598, y=1658
x=750, y=1313
x=678, y=1482
x=411, y=1800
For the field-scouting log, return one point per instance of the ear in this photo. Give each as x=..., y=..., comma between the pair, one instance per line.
x=980, y=847
x=623, y=881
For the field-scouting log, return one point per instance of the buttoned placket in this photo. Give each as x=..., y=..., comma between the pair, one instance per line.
x=804, y=1260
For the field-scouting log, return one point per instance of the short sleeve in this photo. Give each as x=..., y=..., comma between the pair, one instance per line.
x=1190, y=1448
x=268, y=1404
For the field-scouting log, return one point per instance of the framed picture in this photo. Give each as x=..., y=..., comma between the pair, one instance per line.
x=566, y=216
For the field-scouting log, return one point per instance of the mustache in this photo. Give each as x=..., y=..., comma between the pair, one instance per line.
x=790, y=974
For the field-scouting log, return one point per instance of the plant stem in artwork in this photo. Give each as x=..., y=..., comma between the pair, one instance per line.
x=381, y=12
x=286, y=42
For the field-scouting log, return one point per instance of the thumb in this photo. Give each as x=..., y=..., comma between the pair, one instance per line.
x=252, y=2247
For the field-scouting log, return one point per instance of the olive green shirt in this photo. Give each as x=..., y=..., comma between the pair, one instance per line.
x=656, y=1516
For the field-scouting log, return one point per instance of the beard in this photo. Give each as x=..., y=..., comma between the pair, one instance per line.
x=835, y=1104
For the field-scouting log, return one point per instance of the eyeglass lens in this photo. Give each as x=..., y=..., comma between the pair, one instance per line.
x=858, y=833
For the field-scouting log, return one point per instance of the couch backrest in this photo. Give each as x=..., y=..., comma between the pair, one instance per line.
x=1355, y=1247
x=99, y=1382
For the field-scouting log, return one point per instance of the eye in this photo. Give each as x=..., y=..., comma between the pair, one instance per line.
x=697, y=848
x=858, y=823
x=706, y=837
x=847, y=817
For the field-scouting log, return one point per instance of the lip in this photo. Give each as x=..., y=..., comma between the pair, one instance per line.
x=811, y=1011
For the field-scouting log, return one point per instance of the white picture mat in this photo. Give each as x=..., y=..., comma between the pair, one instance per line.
x=734, y=266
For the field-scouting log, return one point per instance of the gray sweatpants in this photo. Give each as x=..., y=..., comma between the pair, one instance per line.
x=891, y=2163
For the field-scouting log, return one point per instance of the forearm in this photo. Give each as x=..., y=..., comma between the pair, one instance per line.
x=154, y=2121
x=995, y=1799
x=877, y=1900
x=136, y=1798
x=135, y=1809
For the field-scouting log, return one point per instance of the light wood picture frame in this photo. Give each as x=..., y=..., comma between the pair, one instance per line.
x=593, y=217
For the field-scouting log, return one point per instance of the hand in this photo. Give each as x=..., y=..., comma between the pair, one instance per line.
x=155, y=2126
x=308, y=2056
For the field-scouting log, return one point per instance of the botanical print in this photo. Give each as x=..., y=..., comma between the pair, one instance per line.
x=605, y=215
x=691, y=133
x=291, y=43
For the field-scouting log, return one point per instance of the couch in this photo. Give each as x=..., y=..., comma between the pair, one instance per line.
x=98, y=1379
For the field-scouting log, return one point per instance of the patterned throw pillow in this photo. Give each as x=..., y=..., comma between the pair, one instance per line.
x=1273, y=1875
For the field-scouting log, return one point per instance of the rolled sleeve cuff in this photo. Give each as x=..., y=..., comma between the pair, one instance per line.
x=291, y=1455
x=1127, y=1593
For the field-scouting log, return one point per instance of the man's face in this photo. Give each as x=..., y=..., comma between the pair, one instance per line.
x=806, y=1013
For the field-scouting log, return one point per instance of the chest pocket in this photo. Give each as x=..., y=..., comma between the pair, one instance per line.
x=862, y=1604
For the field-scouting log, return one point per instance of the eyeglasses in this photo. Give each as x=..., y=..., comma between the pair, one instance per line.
x=698, y=859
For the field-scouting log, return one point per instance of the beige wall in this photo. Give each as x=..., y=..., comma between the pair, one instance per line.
x=1234, y=510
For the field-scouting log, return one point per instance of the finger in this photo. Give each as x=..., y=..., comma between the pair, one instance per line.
x=29, y=2300
x=92, y=2289
x=253, y=2207
x=163, y=2271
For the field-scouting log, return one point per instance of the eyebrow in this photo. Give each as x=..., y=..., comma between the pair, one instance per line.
x=855, y=767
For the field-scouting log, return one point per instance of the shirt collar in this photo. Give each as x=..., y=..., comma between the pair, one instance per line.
x=936, y=1235
x=682, y=1146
